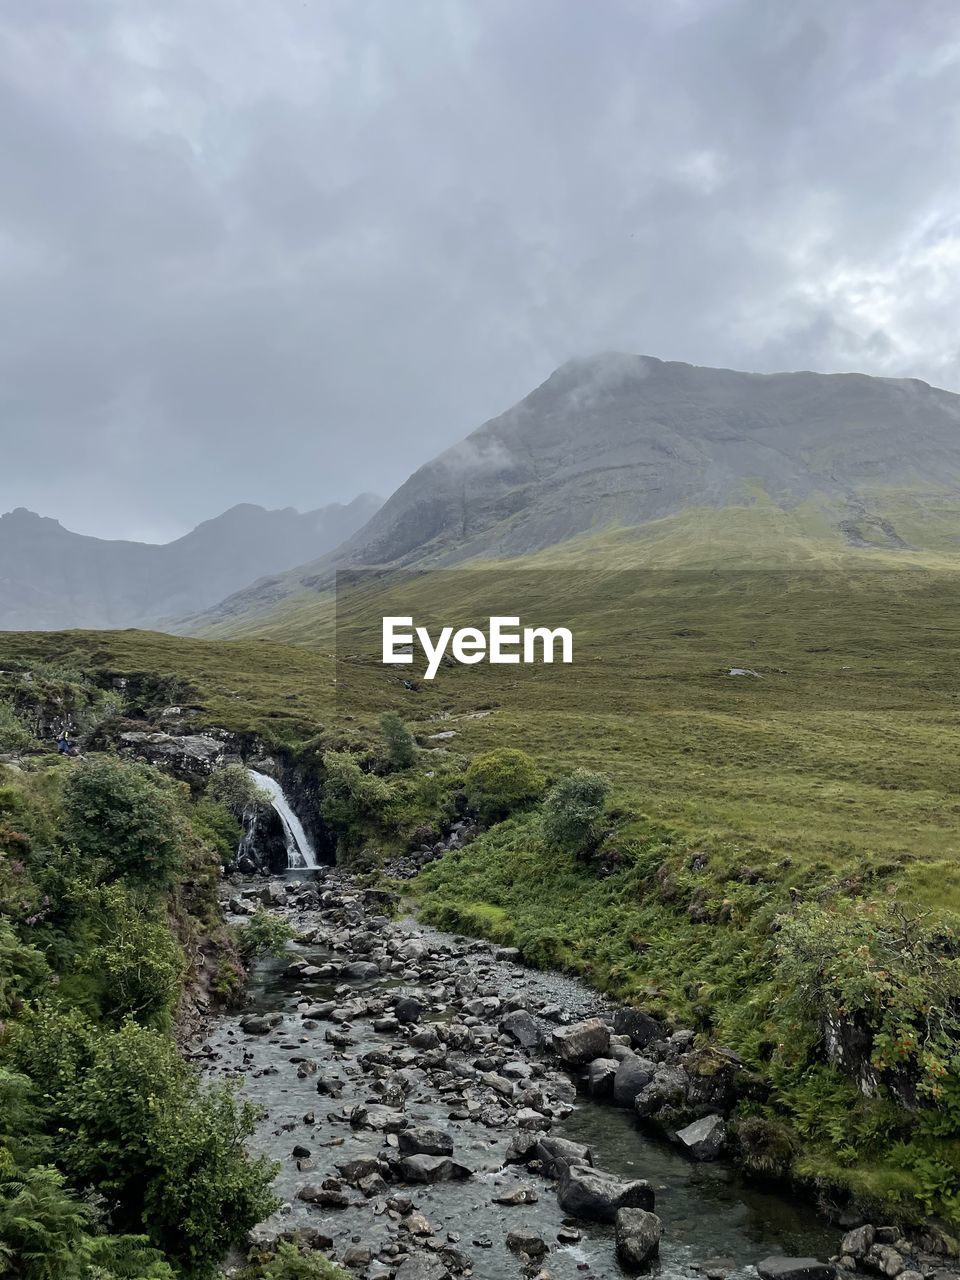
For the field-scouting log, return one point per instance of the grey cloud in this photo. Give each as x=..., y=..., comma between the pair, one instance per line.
x=284, y=253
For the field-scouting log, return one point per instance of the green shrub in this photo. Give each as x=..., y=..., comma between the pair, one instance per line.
x=573, y=810
x=137, y=962
x=14, y=735
x=501, y=781
x=129, y=818
x=23, y=970
x=288, y=1263
x=234, y=789
x=186, y=1181
x=264, y=934
x=398, y=741
x=350, y=796
x=890, y=970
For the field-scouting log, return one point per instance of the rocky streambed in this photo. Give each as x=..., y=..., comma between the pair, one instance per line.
x=439, y=1110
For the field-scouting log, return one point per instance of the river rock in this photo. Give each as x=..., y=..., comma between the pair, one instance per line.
x=633, y=1074
x=522, y=1028
x=885, y=1260
x=587, y=1193
x=778, y=1267
x=424, y=1168
x=640, y=1027
x=527, y=1242
x=326, y=1197
x=638, y=1235
x=260, y=1024
x=425, y=1141
x=423, y=1266
x=600, y=1077
x=704, y=1139
x=858, y=1243
x=582, y=1042
x=408, y=1009
x=360, y=970
x=518, y=1195
x=668, y=1088
x=557, y=1154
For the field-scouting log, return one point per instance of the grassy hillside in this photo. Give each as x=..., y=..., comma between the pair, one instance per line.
x=745, y=813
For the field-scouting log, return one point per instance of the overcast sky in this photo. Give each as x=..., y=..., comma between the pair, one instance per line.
x=285, y=251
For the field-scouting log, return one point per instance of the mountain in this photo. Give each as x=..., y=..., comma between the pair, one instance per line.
x=630, y=442
x=51, y=578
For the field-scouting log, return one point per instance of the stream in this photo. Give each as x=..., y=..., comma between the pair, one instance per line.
x=340, y=1076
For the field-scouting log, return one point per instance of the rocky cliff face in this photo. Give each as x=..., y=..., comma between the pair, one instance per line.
x=52, y=578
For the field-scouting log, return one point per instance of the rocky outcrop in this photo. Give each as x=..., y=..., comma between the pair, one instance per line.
x=190, y=757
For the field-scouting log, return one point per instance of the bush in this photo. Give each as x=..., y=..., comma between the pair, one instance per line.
x=351, y=796
x=186, y=1181
x=137, y=962
x=234, y=789
x=573, y=810
x=288, y=1263
x=889, y=971
x=263, y=934
x=14, y=736
x=501, y=781
x=129, y=818
x=398, y=740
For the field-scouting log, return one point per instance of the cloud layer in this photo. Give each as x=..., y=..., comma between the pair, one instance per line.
x=285, y=252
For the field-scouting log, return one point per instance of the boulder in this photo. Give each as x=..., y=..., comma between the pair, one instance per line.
x=557, y=1154
x=522, y=1028
x=425, y=1141
x=332, y=1197
x=668, y=1088
x=704, y=1139
x=638, y=1235
x=408, y=1009
x=527, y=1242
x=640, y=1027
x=778, y=1267
x=260, y=1024
x=885, y=1260
x=584, y=1192
x=600, y=1076
x=858, y=1243
x=360, y=970
x=424, y=1168
x=582, y=1042
x=633, y=1074
x=422, y=1266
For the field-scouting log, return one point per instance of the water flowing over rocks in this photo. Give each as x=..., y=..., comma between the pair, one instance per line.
x=438, y=1110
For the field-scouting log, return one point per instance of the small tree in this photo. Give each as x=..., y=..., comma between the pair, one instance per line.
x=573, y=809
x=398, y=740
x=128, y=817
x=500, y=781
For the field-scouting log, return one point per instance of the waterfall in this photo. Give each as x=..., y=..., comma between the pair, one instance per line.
x=300, y=852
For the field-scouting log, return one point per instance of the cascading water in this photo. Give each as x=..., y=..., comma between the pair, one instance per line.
x=300, y=852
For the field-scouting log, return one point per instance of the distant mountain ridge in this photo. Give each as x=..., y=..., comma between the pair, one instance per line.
x=51, y=578
x=620, y=440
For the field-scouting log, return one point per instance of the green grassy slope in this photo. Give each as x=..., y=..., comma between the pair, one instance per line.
x=736, y=803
